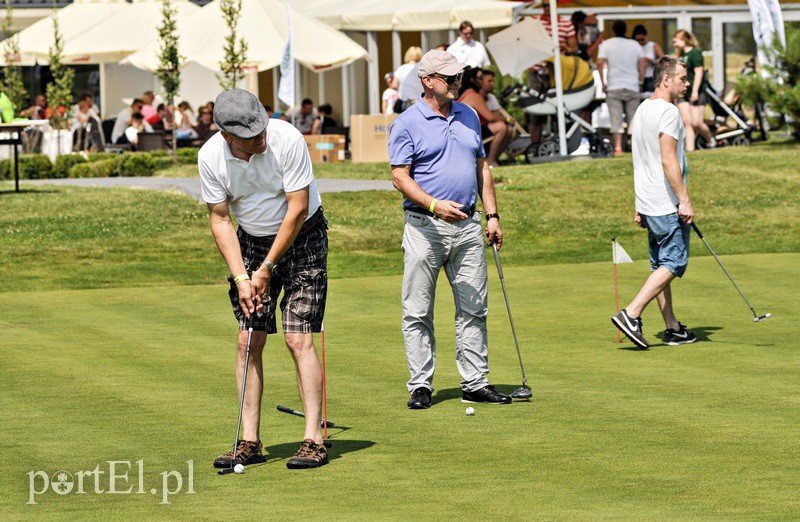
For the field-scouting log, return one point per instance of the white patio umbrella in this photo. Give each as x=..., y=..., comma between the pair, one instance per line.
x=35, y=41
x=520, y=46
x=123, y=33
x=263, y=24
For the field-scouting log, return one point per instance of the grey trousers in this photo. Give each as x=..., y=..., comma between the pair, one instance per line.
x=430, y=244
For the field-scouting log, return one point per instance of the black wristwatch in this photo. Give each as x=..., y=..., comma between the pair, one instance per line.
x=490, y=216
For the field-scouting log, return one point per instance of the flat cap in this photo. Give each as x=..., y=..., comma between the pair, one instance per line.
x=239, y=113
x=439, y=62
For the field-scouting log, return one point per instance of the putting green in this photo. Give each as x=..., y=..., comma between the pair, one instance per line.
x=697, y=431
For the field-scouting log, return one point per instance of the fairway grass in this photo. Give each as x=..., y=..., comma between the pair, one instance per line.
x=697, y=431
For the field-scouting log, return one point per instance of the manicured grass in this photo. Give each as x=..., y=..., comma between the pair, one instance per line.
x=343, y=170
x=746, y=200
x=708, y=430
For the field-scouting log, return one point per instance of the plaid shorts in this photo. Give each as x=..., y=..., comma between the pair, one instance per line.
x=302, y=274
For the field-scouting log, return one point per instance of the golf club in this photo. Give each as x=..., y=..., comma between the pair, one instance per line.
x=327, y=422
x=756, y=318
x=229, y=470
x=324, y=386
x=523, y=392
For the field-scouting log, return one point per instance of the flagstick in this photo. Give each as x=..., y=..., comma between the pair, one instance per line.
x=324, y=388
x=616, y=290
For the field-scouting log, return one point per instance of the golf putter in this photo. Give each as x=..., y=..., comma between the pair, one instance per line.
x=227, y=471
x=523, y=392
x=756, y=318
x=325, y=422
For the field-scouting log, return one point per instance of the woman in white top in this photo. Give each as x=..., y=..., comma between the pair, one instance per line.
x=652, y=52
x=409, y=86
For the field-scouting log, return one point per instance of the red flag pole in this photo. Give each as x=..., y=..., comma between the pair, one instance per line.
x=616, y=290
x=324, y=389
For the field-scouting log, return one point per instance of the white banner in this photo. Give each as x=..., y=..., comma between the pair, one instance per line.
x=618, y=253
x=767, y=24
x=286, y=88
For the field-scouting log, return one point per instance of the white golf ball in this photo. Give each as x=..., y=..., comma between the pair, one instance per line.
x=470, y=411
x=239, y=469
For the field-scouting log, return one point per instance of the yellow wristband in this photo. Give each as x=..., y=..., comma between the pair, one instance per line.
x=239, y=279
x=433, y=204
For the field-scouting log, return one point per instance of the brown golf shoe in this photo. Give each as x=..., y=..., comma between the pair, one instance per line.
x=247, y=452
x=310, y=455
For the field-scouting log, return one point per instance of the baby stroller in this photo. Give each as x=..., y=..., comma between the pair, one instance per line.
x=732, y=107
x=540, y=100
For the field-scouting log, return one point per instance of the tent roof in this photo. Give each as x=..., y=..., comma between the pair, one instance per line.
x=122, y=33
x=264, y=26
x=36, y=40
x=410, y=15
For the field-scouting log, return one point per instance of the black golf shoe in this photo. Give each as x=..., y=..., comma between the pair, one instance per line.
x=310, y=455
x=486, y=395
x=681, y=336
x=420, y=399
x=632, y=328
x=247, y=452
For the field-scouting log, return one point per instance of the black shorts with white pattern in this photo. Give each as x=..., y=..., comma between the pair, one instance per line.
x=302, y=274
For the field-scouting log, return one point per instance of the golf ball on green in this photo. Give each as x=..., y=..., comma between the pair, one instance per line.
x=238, y=469
x=470, y=411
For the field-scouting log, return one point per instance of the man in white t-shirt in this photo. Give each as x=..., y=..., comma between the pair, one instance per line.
x=263, y=176
x=468, y=50
x=303, y=117
x=626, y=66
x=663, y=206
x=389, y=97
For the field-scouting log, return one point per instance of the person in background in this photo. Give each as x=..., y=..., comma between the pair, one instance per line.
x=468, y=50
x=693, y=104
x=187, y=116
x=79, y=122
x=389, y=97
x=39, y=110
x=625, y=62
x=592, y=34
x=137, y=125
x=442, y=46
x=149, y=111
x=205, y=127
x=325, y=124
x=269, y=110
x=493, y=124
x=302, y=117
x=165, y=120
x=409, y=85
x=652, y=52
x=537, y=78
x=124, y=119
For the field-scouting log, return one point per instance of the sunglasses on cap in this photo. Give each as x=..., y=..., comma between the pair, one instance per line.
x=449, y=79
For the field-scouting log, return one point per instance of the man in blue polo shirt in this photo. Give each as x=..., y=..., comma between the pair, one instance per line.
x=437, y=160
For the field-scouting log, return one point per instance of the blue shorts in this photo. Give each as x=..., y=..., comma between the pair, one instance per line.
x=668, y=237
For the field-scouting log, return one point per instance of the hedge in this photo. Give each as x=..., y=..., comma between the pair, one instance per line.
x=94, y=169
x=64, y=164
x=31, y=166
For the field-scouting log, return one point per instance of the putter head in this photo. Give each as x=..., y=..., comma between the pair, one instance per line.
x=225, y=471
x=522, y=393
x=761, y=318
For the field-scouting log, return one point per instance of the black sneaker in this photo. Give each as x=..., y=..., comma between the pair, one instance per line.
x=487, y=395
x=632, y=328
x=247, y=452
x=310, y=455
x=420, y=399
x=676, y=337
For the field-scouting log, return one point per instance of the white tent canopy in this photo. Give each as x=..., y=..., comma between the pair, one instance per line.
x=35, y=41
x=264, y=26
x=409, y=15
x=123, y=33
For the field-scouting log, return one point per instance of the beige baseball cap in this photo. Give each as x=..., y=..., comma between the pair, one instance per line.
x=440, y=62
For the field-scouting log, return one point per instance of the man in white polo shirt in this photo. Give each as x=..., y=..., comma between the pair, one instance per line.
x=467, y=50
x=263, y=176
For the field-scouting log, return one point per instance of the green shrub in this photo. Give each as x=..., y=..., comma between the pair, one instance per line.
x=64, y=164
x=188, y=155
x=31, y=166
x=163, y=162
x=94, y=169
x=139, y=164
x=160, y=153
x=97, y=156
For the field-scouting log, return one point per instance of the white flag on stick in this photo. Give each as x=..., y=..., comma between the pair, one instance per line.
x=619, y=254
x=286, y=87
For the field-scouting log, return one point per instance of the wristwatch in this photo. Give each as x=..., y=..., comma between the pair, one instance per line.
x=270, y=265
x=490, y=216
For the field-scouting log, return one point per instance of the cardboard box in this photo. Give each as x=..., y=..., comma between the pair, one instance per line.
x=325, y=148
x=369, y=137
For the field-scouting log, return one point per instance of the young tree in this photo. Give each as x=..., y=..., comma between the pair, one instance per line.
x=169, y=69
x=12, y=84
x=780, y=88
x=232, y=67
x=59, y=92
